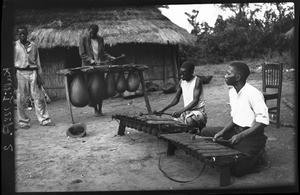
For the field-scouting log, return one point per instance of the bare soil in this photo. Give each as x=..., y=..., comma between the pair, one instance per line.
x=48, y=161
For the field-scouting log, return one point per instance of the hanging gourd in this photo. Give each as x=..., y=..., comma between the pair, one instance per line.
x=110, y=84
x=97, y=87
x=133, y=81
x=121, y=82
x=79, y=96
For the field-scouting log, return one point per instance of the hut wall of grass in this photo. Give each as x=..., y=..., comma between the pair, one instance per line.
x=162, y=60
x=53, y=60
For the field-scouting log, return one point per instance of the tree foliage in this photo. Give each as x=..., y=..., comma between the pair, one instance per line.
x=241, y=36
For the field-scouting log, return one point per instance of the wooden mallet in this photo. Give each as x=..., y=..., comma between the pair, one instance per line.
x=141, y=114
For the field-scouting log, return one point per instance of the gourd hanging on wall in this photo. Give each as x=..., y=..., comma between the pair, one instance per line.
x=110, y=84
x=121, y=82
x=133, y=81
x=97, y=87
x=79, y=96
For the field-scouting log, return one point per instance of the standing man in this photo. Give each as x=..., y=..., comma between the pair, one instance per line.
x=190, y=86
x=249, y=113
x=91, y=51
x=29, y=79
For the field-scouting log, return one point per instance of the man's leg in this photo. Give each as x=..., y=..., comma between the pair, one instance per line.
x=210, y=131
x=98, y=109
x=40, y=104
x=253, y=145
x=22, y=97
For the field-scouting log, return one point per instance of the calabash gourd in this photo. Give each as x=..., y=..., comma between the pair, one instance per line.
x=133, y=81
x=97, y=87
x=121, y=83
x=79, y=96
x=110, y=84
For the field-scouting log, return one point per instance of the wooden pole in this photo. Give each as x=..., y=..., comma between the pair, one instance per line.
x=144, y=91
x=165, y=53
x=175, y=62
x=68, y=98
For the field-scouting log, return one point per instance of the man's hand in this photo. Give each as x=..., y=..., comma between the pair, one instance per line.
x=236, y=139
x=176, y=114
x=158, y=113
x=39, y=80
x=111, y=58
x=218, y=135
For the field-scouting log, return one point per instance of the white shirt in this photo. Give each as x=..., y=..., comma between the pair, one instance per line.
x=188, y=93
x=94, y=43
x=248, y=106
x=27, y=58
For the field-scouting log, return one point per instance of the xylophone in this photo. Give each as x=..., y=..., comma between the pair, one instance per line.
x=206, y=151
x=151, y=125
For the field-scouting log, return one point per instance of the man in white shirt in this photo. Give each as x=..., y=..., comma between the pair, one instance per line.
x=190, y=87
x=29, y=80
x=249, y=113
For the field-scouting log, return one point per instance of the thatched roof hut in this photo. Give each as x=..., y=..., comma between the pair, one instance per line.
x=143, y=34
x=63, y=27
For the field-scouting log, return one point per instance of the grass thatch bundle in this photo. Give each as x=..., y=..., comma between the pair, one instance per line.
x=62, y=27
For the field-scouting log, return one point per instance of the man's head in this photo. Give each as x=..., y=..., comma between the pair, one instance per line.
x=22, y=33
x=237, y=72
x=93, y=30
x=187, y=70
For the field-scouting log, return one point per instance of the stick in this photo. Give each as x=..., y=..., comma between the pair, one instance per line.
x=105, y=62
x=68, y=98
x=289, y=104
x=201, y=137
x=141, y=114
x=209, y=138
x=142, y=80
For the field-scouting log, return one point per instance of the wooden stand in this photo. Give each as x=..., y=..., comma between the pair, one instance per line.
x=105, y=68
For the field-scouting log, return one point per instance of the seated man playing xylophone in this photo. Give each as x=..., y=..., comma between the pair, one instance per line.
x=190, y=86
x=249, y=113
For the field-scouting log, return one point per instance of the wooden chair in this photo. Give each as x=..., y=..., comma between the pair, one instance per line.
x=272, y=86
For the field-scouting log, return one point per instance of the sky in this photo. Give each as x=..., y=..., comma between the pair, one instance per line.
x=207, y=13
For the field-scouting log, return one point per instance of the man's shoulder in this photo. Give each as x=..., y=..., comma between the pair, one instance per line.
x=198, y=79
x=100, y=37
x=17, y=42
x=84, y=36
x=252, y=90
x=251, y=87
x=32, y=43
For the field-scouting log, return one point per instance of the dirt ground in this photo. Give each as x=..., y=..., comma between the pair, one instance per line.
x=48, y=161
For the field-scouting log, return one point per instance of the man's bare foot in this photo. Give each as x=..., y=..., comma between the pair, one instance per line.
x=98, y=114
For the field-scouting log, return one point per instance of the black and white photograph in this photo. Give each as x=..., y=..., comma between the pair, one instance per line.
x=166, y=97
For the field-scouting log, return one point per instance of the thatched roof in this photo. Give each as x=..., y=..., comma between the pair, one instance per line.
x=63, y=27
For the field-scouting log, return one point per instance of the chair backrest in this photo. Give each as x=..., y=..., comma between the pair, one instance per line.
x=272, y=76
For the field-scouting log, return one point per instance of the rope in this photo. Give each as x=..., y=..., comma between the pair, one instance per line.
x=169, y=177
